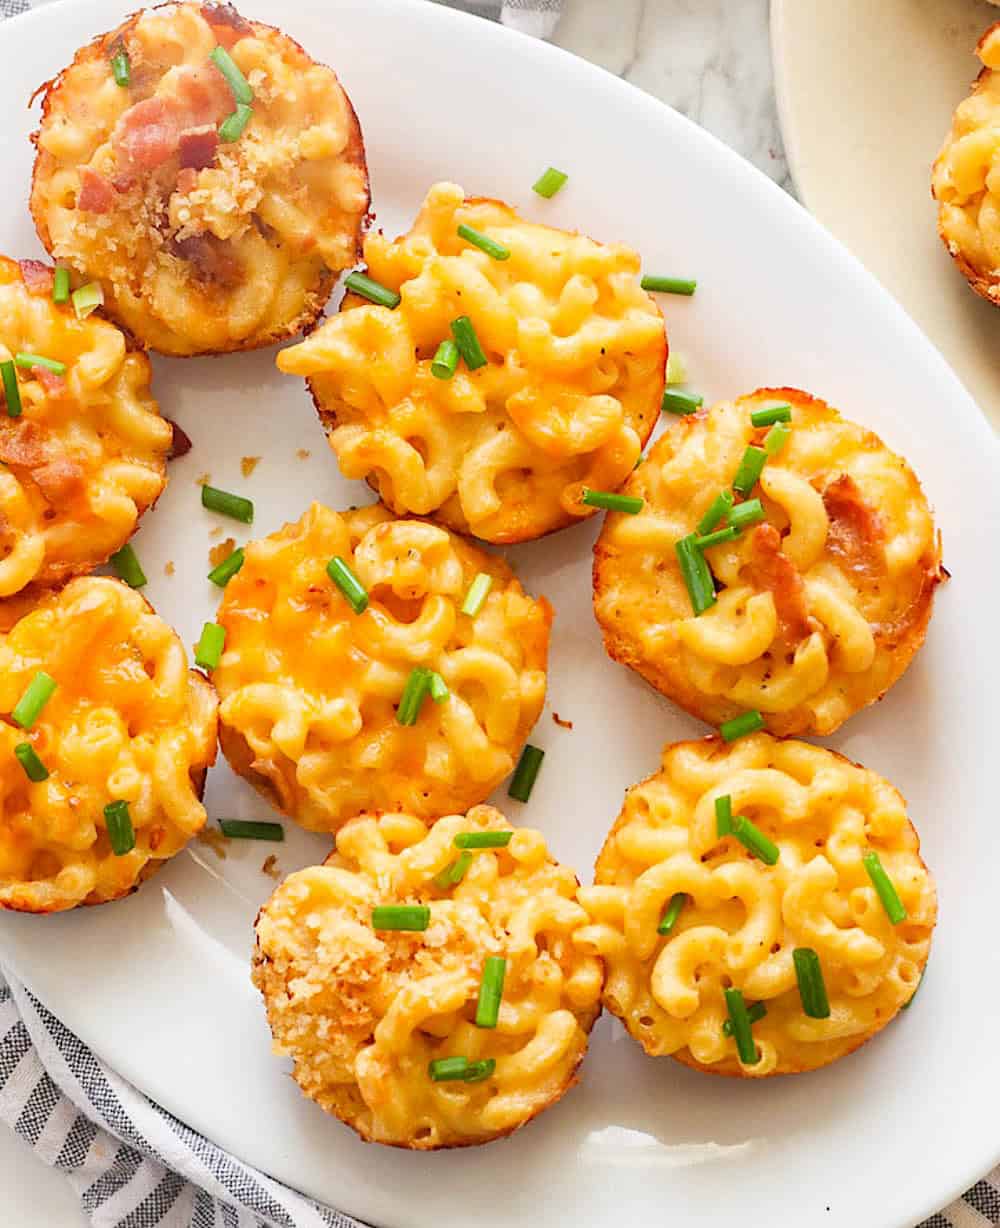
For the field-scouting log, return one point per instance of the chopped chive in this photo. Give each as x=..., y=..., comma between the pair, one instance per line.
x=453, y=873
x=230, y=565
x=348, y=583
x=695, y=574
x=882, y=883
x=485, y=244
x=755, y=1014
x=231, y=128
x=631, y=505
x=483, y=839
x=226, y=504
x=812, y=989
x=225, y=63
x=11, y=391
x=121, y=70
x=751, y=467
x=478, y=1071
x=127, y=565
x=34, y=768
x=525, y=773
x=448, y=1069
x=490, y=992
x=87, y=299
x=479, y=590
x=779, y=412
x=723, y=815
x=438, y=688
x=753, y=839
x=740, y=726
x=60, y=284
x=37, y=694
x=401, y=917
x=414, y=693
x=245, y=829
x=776, y=438
x=118, y=823
x=27, y=361
x=739, y=1021
x=549, y=182
x=717, y=509
x=208, y=650
x=676, y=369
x=746, y=513
x=359, y=283
x=680, y=403
x=668, y=285
x=672, y=912
x=716, y=538
x=445, y=361
x=468, y=343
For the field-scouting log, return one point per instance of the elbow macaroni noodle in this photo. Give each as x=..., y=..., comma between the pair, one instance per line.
x=571, y=391
x=743, y=919
x=363, y=1013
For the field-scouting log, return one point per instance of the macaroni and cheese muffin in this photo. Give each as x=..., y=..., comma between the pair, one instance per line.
x=818, y=600
x=327, y=704
x=812, y=912
x=207, y=172
x=563, y=395
x=459, y=1027
x=82, y=444
x=104, y=748
x=966, y=177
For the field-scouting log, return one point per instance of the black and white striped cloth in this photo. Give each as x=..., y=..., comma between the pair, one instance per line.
x=130, y=1162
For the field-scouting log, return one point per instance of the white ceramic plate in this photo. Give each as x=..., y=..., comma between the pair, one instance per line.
x=158, y=984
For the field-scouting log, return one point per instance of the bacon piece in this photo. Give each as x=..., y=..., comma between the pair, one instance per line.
x=203, y=94
x=227, y=25
x=96, y=195
x=149, y=133
x=37, y=277
x=856, y=535
x=122, y=183
x=769, y=568
x=60, y=479
x=196, y=148
x=21, y=443
x=181, y=443
x=54, y=385
x=187, y=180
x=211, y=260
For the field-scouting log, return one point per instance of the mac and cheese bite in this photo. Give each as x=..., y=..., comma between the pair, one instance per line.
x=329, y=711
x=787, y=913
x=82, y=444
x=966, y=177
x=102, y=715
x=563, y=394
x=430, y=995
x=207, y=172
x=817, y=602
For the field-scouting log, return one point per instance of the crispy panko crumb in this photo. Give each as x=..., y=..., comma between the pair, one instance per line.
x=203, y=479
x=248, y=464
x=303, y=454
x=215, y=840
x=560, y=722
x=221, y=551
x=169, y=568
x=271, y=867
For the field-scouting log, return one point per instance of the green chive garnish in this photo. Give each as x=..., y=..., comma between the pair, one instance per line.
x=746, y=513
x=468, y=343
x=631, y=505
x=751, y=467
x=127, y=566
x=695, y=574
x=812, y=989
x=668, y=285
x=27, y=361
x=121, y=833
x=740, y=726
x=676, y=402
x=225, y=63
x=485, y=244
x=60, y=284
x=359, y=283
x=226, y=504
x=882, y=883
x=412, y=699
x=438, y=688
x=208, y=650
x=87, y=299
x=717, y=509
x=779, y=412
x=549, y=182
x=752, y=838
x=739, y=1021
x=11, y=391
x=723, y=815
x=453, y=873
x=37, y=694
x=755, y=1014
x=523, y=780
x=776, y=438
x=348, y=583
x=244, y=829
x=401, y=917
x=483, y=839
x=490, y=992
x=716, y=538
x=479, y=590
x=478, y=1071
x=230, y=565
x=676, y=370
x=120, y=68
x=672, y=912
x=445, y=361
x=34, y=768
x=452, y=1069
x=231, y=128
